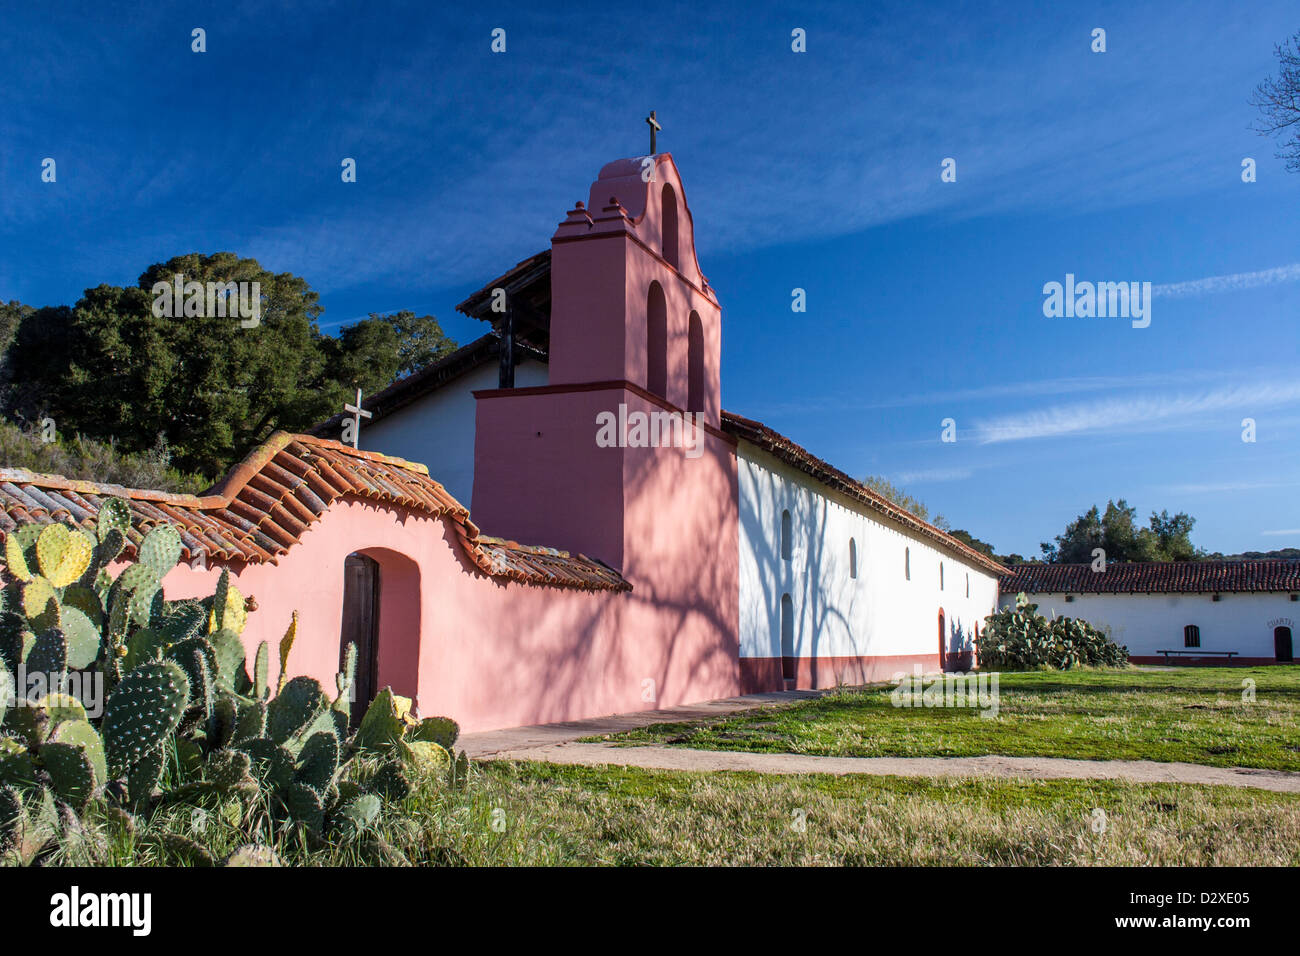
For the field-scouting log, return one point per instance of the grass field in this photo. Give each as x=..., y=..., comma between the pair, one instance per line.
x=537, y=814
x=540, y=814
x=1197, y=715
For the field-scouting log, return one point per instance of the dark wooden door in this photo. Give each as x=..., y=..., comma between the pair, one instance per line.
x=1282, y=644
x=361, y=626
x=943, y=644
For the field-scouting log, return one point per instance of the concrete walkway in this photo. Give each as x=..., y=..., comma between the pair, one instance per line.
x=556, y=743
x=1019, y=768
x=490, y=743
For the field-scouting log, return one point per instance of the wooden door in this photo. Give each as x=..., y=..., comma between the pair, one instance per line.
x=361, y=627
x=1282, y=644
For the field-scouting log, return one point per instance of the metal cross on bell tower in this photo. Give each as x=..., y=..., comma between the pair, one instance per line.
x=654, y=128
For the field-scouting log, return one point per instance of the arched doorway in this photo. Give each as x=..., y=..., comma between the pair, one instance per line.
x=1282, y=645
x=789, y=668
x=361, y=626
x=943, y=644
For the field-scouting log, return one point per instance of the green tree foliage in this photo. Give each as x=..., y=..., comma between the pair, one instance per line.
x=887, y=489
x=1116, y=531
x=968, y=539
x=208, y=388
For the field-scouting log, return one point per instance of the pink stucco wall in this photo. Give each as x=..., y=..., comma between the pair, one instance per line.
x=486, y=653
x=668, y=521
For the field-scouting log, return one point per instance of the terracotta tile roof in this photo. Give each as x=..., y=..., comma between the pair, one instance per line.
x=1154, y=577
x=777, y=445
x=264, y=505
x=428, y=379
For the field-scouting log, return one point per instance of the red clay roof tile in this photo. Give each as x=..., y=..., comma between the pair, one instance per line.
x=1197, y=577
x=266, y=503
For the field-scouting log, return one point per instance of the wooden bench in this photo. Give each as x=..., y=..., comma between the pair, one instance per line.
x=1192, y=652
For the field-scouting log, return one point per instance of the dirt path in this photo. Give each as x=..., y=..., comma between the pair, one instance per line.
x=1020, y=768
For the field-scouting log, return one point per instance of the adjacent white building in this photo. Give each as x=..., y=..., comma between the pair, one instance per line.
x=839, y=585
x=1236, y=612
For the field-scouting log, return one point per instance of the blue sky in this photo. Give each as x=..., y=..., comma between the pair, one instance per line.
x=817, y=170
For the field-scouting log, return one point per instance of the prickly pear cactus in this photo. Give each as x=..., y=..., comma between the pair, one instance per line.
x=184, y=716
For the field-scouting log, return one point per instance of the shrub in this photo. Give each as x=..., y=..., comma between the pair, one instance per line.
x=1020, y=638
x=88, y=460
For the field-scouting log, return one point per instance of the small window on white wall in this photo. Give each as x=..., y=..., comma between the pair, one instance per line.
x=907, y=563
x=968, y=585
x=786, y=533
x=940, y=575
x=1191, y=636
x=853, y=558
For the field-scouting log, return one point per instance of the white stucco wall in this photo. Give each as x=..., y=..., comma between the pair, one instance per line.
x=437, y=430
x=881, y=612
x=1149, y=623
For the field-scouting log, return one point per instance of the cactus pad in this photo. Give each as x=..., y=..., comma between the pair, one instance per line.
x=62, y=554
x=143, y=775
x=261, y=667
x=318, y=762
x=439, y=730
x=229, y=651
x=299, y=703
x=428, y=759
x=83, y=638
x=270, y=762
x=72, y=774
x=80, y=734
x=382, y=726
x=20, y=551
x=49, y=656
x=160, y=550
x=40, y=603
x=144, y=709
x=305, y=806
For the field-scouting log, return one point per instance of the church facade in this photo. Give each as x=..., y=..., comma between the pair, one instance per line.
x=809, y=578
x=673, y=552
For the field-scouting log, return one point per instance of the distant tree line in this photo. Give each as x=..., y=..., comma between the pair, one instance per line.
x=207, y=389
x=1115, y=530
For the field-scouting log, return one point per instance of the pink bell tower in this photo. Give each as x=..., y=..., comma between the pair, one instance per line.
x=635, y=330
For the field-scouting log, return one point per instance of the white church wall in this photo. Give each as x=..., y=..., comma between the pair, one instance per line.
x=881, y=612
x=437, y=430
x=1150, y=623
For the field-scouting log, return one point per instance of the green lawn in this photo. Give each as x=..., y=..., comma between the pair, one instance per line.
x=1196, y=715
x=538, y=814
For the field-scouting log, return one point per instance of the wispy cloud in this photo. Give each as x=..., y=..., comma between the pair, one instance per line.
x=1135, y=412
x=1282, y=532
x=1229, y=283
x=1221, y=487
